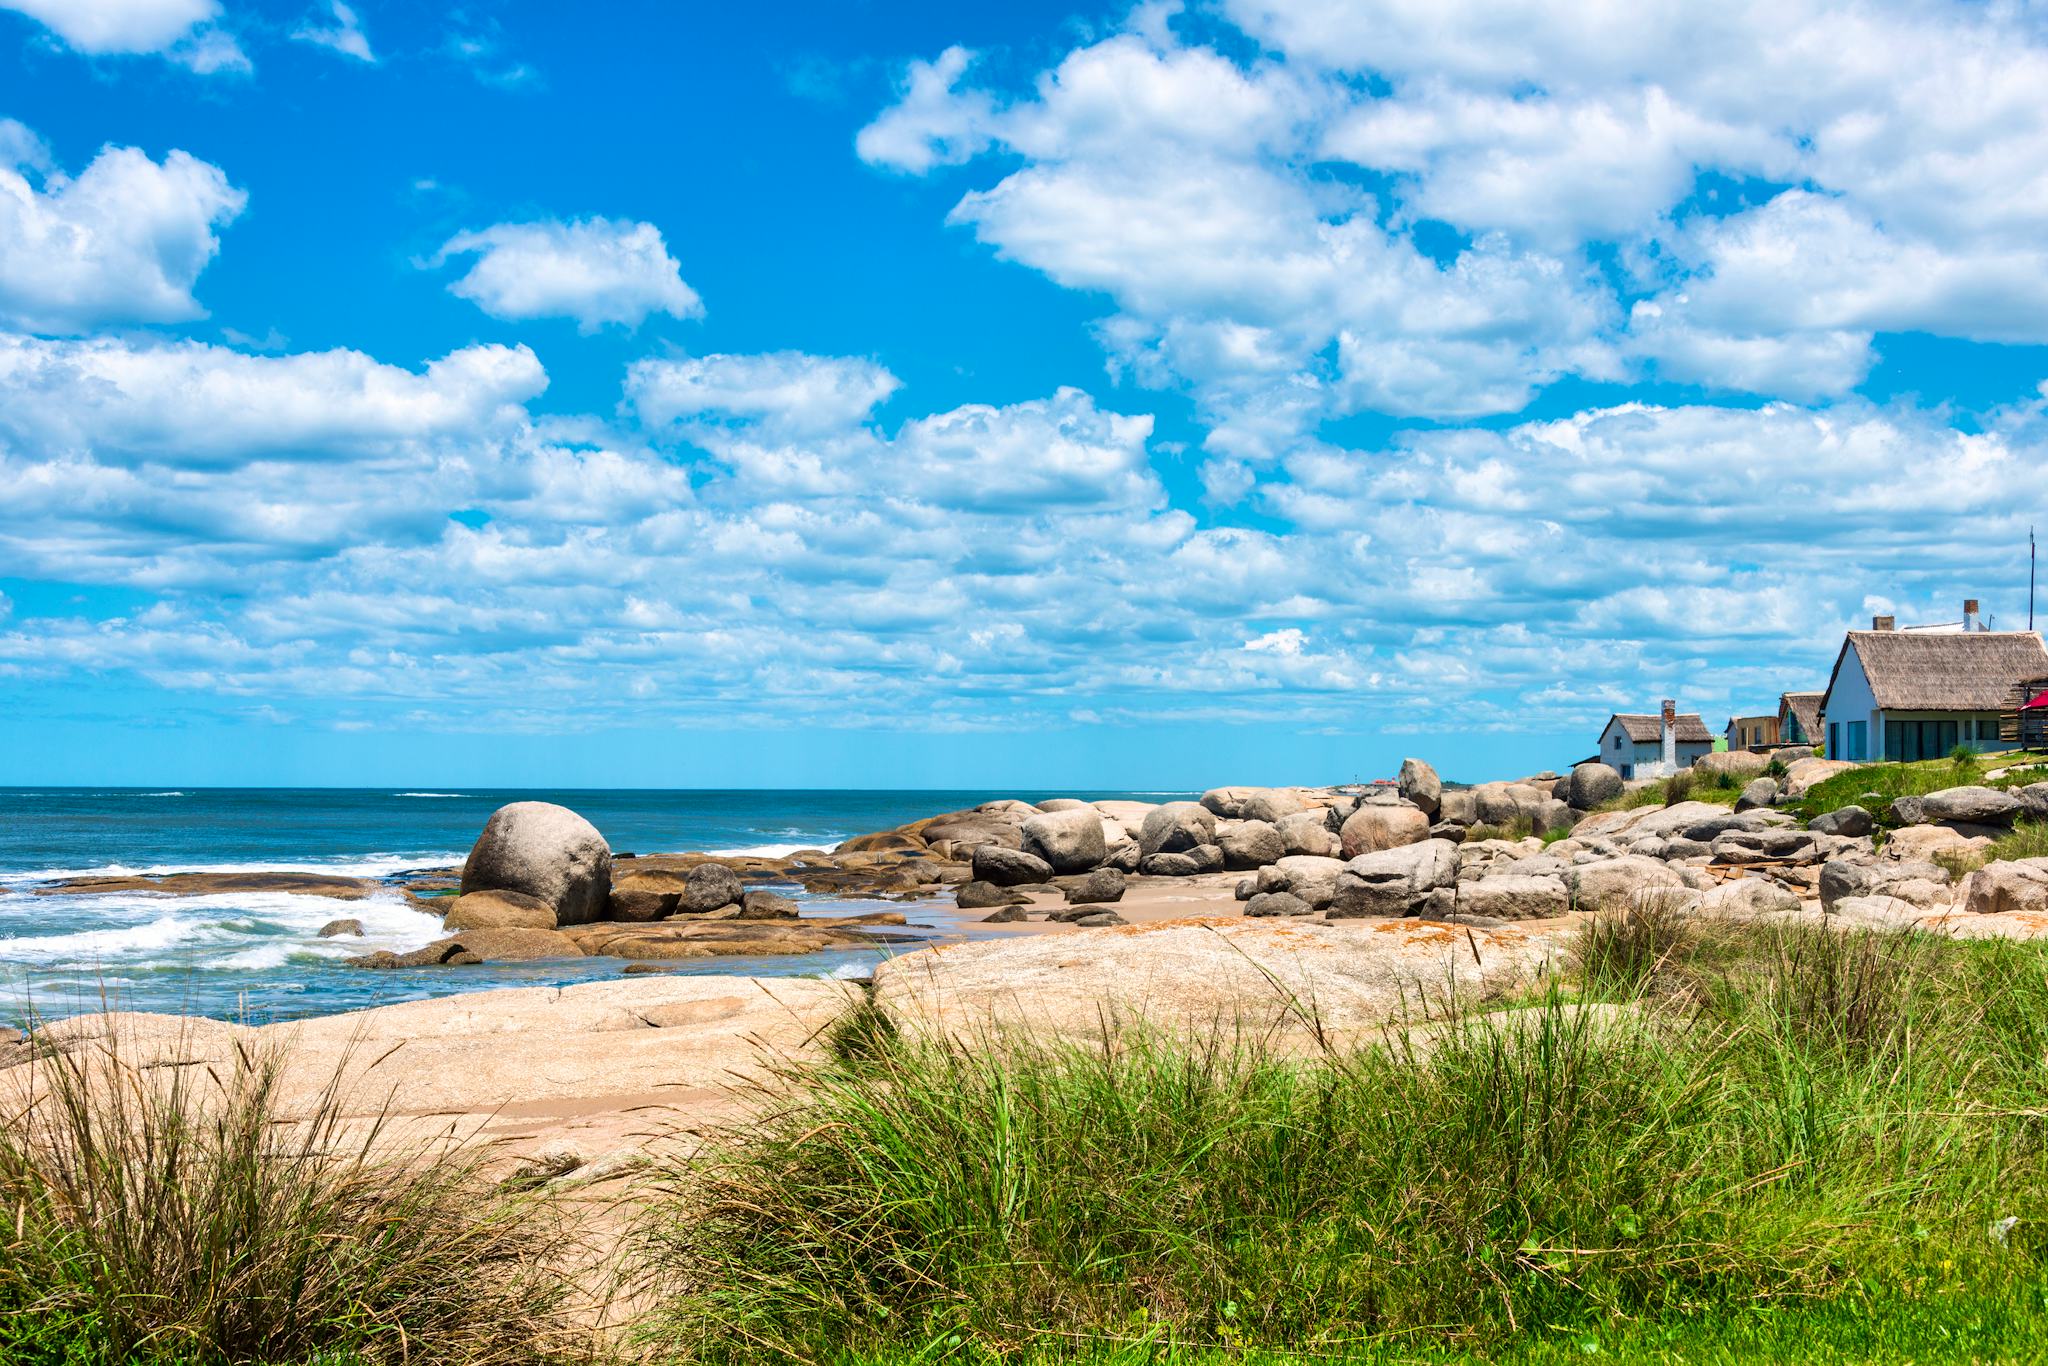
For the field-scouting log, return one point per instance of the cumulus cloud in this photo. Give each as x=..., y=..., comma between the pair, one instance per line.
x=598, y=271
x=123, y=242
x=183, y=30
x=338, y=28
x=784, y=390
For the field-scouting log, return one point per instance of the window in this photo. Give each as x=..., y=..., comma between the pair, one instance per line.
x=1834, y=739
x=1907, y=742
x=1859, y=740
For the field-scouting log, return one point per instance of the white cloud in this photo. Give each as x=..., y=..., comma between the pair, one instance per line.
x=340, y=29
x=929, y=125
x=784, y=390
x=123, y=242
x=596, y=270
x=182, y=30
x=190, y=403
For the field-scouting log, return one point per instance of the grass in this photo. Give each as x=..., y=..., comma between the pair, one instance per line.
x=167, y=1213
x=1682, y=786
x=1764, y=1140
x=1877, y=786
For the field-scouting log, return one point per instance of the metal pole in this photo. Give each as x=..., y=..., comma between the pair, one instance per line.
x=2030, y=578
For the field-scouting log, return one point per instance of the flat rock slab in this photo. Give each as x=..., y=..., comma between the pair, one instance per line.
x=666, y=939
x=211, y=884
x=1258, y=975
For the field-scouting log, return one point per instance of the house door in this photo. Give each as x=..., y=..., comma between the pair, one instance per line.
x=1908, y=742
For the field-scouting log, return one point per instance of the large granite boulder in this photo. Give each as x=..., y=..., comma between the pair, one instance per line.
x=1100, y=887
x=544, y=851
x=1553, y=816
x=1457, y=807
x=1312, y=878
x=1373, y=828
x=710, y=887
x=1228, y=802
x=1748, y=898
x=1923, y=884
x=1394, y=881
x=1277, y=903
x=1969, y=806
x=1921, y=843
x=1271, y=804
x=1514, y=896
x=978, y=895
x=1250, y=844
x=1309, y=832
x=1420, y=787
x=1070, y=841
x=1843, y=820
x=1736, y=763
x=1009, y=867
x=1176, y=828
x=1803, y=774
x=494, y=910
x=1624, y=883
x=1758, y=792
x=2017, y=885
x=2033, y=800
x=1591, y=785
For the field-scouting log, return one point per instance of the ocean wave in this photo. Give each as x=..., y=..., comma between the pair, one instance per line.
x=343, y=865
x=771, y=850
x=155, y=936
x=251, y=931
x=429, y=794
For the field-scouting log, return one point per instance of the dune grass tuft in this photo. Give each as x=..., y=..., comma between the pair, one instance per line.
x=163, y=1212
x=1702, y=1129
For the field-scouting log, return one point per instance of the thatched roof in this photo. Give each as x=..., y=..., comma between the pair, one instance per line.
x=1924, y=671
x=1648, y=730
x=1806, y=707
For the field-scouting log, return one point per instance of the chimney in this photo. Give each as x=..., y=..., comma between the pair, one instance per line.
x=1883, y=623
x=1970, y=622
x=1668, y=732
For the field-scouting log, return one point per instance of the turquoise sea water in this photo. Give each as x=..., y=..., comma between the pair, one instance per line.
x=257, y=956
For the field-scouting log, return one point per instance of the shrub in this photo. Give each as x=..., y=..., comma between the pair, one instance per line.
x=1678, y=787
x=174, y=1214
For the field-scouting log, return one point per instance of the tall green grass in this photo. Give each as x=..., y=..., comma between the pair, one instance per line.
x=1877, y=786
x=1706, y=1128
x=169, y=1212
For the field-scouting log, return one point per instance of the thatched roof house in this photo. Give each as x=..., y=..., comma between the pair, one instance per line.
x=1907, y=695
x=1799, y=717
x=1634, y=743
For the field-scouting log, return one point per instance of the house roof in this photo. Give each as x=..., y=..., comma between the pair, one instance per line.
x=1805, y=706
x=1648, y=730
x=1923, y=671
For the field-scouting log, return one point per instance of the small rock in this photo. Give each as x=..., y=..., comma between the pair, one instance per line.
x=1277, y=903
x=1843, y=820
x=1008, y=915
x=973, y=896
x=1102, y=885
x=1009, y=867
x=760, y=904
x=335, y=929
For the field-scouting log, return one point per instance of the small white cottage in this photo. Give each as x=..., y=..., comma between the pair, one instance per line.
x=1912, y=694
x=1654, y=746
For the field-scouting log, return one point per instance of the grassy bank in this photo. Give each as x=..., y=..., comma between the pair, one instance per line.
x=180, y=1214
x=1714, y=1142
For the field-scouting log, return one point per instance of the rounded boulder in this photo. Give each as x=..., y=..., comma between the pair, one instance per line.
x=1373, y=828
x=1069, y=841
x=544, y=851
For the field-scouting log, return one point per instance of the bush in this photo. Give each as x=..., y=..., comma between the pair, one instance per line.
x=1780, y=1118
x=174, y=1214
x=1678, y=787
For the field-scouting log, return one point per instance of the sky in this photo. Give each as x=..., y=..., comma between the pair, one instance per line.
x=1037, y=395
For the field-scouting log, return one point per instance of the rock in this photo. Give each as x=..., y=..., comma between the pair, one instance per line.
x=1065, y=804
x=1447, y=830
x=1456, y=807
x=697, y=938
x=1553, y=816
x=1420, y=787
x=973, y=896
x=1621, y=883
x=1970, y=806
x=1251, y=844
x=760, y=904
x=544, y=851
x=1373, y=828
x=1277, y=903
x=1736, y=763
x=1307, y=876
x=1920, y=843
x=1507, y=803
x=1758, y=792
x=336, y=929
x=1102, y=885
x=1748, y=898
x=1909, y=811
x=1271, y=804
x=1843, y=820
x=1176, y=828
x=1878, y=912
x=1007, y=915
x=1100, y=920
x=1764, y=846
x=1123, y=856
x=1803, y=774
x=1068, y=841
x=639, y=896
x=709, y=887
x=1392, y=882
x=1228, y=802
x=499, y=911
x=1130, y=816
x=1513, y=896
x=1207, y=858
x=477, y=946
x=1999, y=888
x=2033, y=800
x=1592, y=785
x=1306, y=832
x=1922, y=883
x=882, y=842
x=1009, y=867
x=213, y=884
x=1168, y=865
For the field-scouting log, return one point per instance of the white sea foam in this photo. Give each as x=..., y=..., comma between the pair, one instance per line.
x=249, y=931
x=849, y=972
x=772, y=850
x=127, y=942
x=429, y=794
x=363, y=865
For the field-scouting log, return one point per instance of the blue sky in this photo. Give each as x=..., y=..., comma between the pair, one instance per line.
x=1020, y=395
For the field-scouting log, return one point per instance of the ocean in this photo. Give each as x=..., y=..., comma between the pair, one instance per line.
x=257, y=956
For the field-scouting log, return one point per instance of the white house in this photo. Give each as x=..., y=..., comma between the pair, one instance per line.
x=1654, y=746
x=1917, y=694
